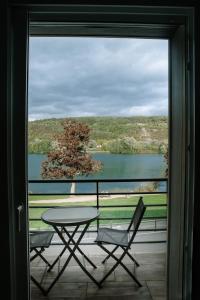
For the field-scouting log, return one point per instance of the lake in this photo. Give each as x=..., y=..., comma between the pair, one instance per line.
x=115, y=166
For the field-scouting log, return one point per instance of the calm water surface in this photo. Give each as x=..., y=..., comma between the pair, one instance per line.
x=115, y=166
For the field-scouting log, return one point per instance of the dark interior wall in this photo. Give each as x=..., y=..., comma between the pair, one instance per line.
x=5, y=182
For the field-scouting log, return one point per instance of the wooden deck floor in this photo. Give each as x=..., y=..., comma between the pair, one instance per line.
x=74, y=283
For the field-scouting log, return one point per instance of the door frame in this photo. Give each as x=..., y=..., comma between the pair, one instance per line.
x=173, y=22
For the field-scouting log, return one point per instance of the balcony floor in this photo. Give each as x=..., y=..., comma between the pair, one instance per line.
x=74, y=283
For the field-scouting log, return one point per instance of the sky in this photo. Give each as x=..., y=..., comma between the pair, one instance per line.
x=79, y=76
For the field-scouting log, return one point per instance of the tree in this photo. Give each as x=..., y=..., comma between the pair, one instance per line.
x=123, y=145
x=70, y=158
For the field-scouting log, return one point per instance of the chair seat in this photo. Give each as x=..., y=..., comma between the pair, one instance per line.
x=40, y=239
x=112, y=236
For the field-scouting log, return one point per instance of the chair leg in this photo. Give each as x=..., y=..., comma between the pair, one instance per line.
x=118, y=262
x=38, y=285
x=132, y=258
x=107, y=257
x=42, y=257
x=37, y=253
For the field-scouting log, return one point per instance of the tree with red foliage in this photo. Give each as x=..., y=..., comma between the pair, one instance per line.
x=70, y=157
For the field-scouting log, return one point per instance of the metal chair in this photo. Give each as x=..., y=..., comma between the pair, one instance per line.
x=38, y=242
x=122, y=239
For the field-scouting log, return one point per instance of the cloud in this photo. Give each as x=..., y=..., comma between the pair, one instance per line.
x=71, y=76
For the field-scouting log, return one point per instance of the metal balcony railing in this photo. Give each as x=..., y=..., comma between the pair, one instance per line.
x=99, y=193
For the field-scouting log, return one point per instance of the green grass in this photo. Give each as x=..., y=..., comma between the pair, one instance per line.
x=148, y=199
x=115, y=212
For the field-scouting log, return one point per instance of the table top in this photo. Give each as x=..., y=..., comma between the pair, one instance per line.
x=70, y=216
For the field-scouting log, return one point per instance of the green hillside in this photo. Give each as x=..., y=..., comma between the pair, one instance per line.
x=113, y=134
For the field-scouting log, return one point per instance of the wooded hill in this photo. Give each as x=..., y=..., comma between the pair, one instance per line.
x=113, y=134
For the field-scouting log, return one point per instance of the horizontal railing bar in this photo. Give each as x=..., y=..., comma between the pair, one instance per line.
x=110, y=219
x=95, y=194
x=144, y=218
x=96, y=180
x=147, y=205
x=141, y=242
x=105, y=206
x=95, y=231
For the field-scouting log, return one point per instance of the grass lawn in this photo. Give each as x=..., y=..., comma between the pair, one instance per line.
x=115, y=212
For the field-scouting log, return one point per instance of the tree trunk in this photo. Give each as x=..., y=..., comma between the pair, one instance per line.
x=73, y=188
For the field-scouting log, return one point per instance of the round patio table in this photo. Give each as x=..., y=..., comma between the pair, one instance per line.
x=70, y=216
x=63, y=218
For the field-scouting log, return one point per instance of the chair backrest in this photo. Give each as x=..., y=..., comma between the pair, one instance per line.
x=134, y=214
x=137, y=218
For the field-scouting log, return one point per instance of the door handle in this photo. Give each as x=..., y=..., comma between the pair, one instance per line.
x=20, y=209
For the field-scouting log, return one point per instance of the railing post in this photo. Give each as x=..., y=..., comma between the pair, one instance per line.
x=97, y=190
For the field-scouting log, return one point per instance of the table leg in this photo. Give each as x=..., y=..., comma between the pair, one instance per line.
x=72, y=251
x=64, y=249
x=92, y=264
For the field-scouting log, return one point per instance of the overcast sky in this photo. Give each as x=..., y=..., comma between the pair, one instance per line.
x=70, y=76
